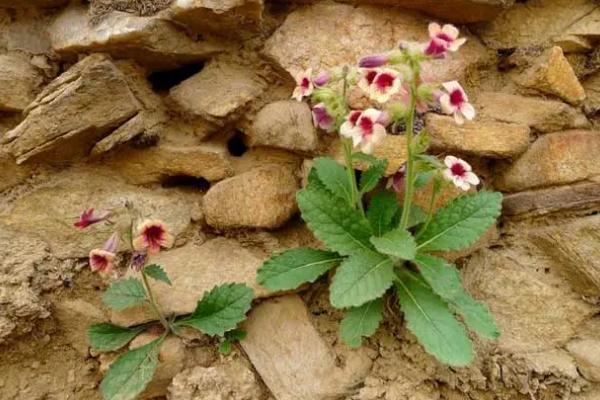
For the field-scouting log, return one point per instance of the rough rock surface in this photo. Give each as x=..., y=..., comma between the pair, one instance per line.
x=75, y=318
x=194, y=270
x=32, y=3
x=291, y=357
x=587, y=355
x=19, y=82
x=479, y=138
x=592, y=91
x=263, y=197
x=286, y=124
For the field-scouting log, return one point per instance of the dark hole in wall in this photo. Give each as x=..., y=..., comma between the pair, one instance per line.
x=165, y=80
x=236, y=145
x=187, y=181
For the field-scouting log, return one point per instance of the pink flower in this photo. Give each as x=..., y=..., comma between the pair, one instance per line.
x=443, y=39
x=367, y=77
x=322, y=79
x=152, y=235
x=89, y=217
x=322, y=118
x=396, y=181
x=459, y=172
x=364, y=128
x=455, y=102
x=102, y=259
x=373, y=61
x=380, y=84
x=304, y=85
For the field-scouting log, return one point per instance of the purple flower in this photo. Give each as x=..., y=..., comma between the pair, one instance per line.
x=322, y=79
x=138, y=260
x=443, y=39
x=89, y=217
x=322, y=118
x=373, y=61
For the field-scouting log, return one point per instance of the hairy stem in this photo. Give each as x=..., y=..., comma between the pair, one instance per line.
x=410, y=179
x=154, y=305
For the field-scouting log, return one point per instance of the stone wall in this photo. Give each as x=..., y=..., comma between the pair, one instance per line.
x=183, y=107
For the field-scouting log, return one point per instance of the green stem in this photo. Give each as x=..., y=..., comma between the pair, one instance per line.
x=154, y=305
x=410, y=179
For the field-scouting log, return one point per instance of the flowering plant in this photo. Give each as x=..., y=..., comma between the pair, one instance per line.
x=378, y=245
x=217, y=313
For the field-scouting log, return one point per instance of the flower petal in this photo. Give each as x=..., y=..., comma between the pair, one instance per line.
x=434, y=28
x=450, y=30
x=450, y=161
x=468, y=111
x=471, y=178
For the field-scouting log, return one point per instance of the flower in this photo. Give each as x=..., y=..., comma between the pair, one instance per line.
x=89, y=217
x=459, y=172
x=366, y=79
x=364, y=128
x=322, y=79
x=138, y=260
x=396, y=181
x=322, y=118
x=373, y=61
x=380, y=84
x=152, y=235
x=456, y=102
x=102, y=259
x=304, y=85
x=443, y=39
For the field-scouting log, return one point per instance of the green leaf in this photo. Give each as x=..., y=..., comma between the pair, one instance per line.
x=156, y=272
x=294, y=267
x=334, y=176
x=236, y=335
x=124, y=293
x=397, y=243
x=416, y=216
x=444, y=279
x=341, y=227
x=360, y=156
x=220, y=310
x=361, y=278
x=130, y=374
x=370, y=178
x=430, y=320
x=109, y=337
x=460, y=223
x=225, y=347
x=423, y=178
x=361, y=322
x=382, y=209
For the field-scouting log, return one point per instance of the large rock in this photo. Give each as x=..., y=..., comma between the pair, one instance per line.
x=19, y=82
x=49, y=209
x=587, y=355
x=75, y=317
x=540, y=114
x=339, y=34
x=263, y=197
x=479, y=138
x=194, y=270
x=152, y=41
x=286, y=124
x=292, y=358
x=554, y=159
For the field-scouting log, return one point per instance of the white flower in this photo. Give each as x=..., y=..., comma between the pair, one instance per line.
x=443, y=39
x=304, y=85
x=455, y=102
x=366, y=79
x=459, y=172
x=380, y=84
x=364, y=128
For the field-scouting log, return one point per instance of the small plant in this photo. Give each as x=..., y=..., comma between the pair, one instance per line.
x=217, y=314
x=387, y=245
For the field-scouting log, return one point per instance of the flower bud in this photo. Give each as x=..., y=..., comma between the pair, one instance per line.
x=373, y=61
x=322, y=79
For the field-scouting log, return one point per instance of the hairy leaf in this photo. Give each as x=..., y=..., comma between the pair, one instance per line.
x=341, y=227
x=432, y=322
x=361, y=322
x=220, y=310
x=129, y=375
x=294, y=267
x=382, y=209
x=157, y=272
x=397, y=243
x=334, y=176
x=109, y=337
x=444, y=279
x=370, y=178
x=460, y=223
x=361, y=278
x=124, y=293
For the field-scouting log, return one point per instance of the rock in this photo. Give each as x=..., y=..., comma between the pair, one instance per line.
x=50, y=207
x=225, y=18
x=592, y=91
x=263, y=197
x=12, y=174
x=573, y=43
x=554, y=75
x=227, y=380
x=587, y=356
x=339, y=34
x=221, y=89
x=286, y=124
x=555, y=362
x=540, y=114
x=19, y=82
x=292, y=358
x=152, y=41
x=32, y=3
x=554, y=159
x=392, y=148
x=478, y=138
x=194, y=270
x=54, y=124
x=588, y=26
x=75, y=317
x=261, y=156
x=526, y=299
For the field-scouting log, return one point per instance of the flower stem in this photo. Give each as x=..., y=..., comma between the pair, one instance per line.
x=154, y=305
x=410, y=179
x=356, y=197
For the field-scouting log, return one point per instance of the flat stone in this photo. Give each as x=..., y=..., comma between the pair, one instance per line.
x=540, y=114
x=193, y=270
x=292, y=358
x=341, y=34
x=54, y=124
x=479, y=138
x=392, y=148
x=263, y=197
x=152, y=41
x=19, y=82
x=286, y=124
x=261, y=156
x=554, y=159
x=587, y=356
x=50, y=207
x=554, y=75
x=222, y=88
x=555, y=362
